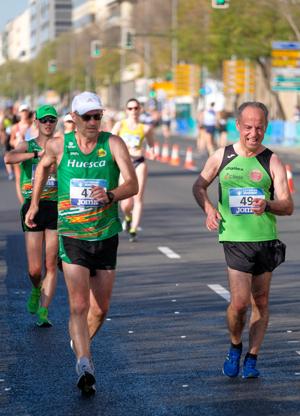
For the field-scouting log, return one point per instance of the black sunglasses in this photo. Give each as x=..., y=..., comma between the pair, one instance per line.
x=45, y=120
x=88, y=117
x=132, y=108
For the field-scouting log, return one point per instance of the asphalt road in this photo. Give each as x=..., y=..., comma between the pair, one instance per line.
x=162, y=347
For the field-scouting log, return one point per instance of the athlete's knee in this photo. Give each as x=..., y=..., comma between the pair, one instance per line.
x=79, y=306
x=261, y=301
x=35, y=273
x=239, y=307
x=99, y=313
x=51, y=265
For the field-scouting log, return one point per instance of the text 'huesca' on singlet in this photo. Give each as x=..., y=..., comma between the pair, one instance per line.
x=79, y=215
x=28, y=168
x=132, y=137
x=240, y=180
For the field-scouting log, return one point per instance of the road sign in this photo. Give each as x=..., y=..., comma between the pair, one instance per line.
x=238, y=76
x=187, y=79
x=285, y=66
x=285, y=45
x=281, y=54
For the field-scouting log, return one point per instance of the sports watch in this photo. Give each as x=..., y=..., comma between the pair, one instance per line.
x=110, y=197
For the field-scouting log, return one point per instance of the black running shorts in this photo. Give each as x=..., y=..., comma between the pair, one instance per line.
x=255, y=258
x=46, y=218
x=94, y=255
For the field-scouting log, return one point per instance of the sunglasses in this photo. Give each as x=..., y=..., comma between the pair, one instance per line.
x=132, y=108
x=88, y=117
x=45, y=120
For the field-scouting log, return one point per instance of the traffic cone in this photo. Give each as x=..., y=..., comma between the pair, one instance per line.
x=156, y=151
x=175, y=160
x=147, y=152
x=165, y=154
x=189, y=164
x=289, y=175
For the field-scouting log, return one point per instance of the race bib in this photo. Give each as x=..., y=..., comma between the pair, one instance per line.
x=241, y=199
x=131, y=140
x=51, y=181
x=80, y=192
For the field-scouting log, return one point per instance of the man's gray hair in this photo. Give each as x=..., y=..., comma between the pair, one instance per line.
x=253, y=104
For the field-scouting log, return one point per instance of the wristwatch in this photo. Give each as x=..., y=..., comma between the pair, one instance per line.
x=36, y=154
x=110, y=197
x=267, y=208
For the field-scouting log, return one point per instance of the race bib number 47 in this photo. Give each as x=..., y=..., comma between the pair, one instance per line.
x=80, y=192
x=241, y=199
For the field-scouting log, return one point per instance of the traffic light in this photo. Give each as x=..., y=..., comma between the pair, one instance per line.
x=129, y=40
x=95, y=48
x=52, y=66
x=152, y=93
x=220, y=4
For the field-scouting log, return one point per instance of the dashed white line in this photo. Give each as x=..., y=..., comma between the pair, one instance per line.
x=220, y=290
x=169, y=253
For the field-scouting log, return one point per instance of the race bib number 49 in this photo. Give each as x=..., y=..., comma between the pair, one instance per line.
x=80, y=192
x=241, y=199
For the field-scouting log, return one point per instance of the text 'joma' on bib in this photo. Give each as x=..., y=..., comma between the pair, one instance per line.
x=241, y=199
x=80, y=192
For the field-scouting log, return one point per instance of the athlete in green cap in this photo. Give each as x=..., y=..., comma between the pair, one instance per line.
x=253, y=189
x=44, y=234
x=89, y=163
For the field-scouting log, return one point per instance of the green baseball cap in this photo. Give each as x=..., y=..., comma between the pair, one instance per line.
x=46, y=110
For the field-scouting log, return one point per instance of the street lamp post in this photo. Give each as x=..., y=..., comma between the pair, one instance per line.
x=174, y=37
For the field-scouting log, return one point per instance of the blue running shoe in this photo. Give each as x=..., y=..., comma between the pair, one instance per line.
x=231, y=366
x=249, y=370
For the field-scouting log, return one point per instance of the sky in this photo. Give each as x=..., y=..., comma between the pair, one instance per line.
x=11, y=10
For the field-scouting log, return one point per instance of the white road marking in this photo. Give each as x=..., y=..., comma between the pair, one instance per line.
x=169, y=253
x=220, y=290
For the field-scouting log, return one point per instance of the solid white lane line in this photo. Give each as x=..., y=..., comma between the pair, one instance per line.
x=169, y=253
x=220, y=290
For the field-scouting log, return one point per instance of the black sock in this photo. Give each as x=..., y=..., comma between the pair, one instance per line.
x=249, y=355
x=237, y=346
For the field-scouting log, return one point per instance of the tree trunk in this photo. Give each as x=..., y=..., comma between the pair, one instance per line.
x=264, y=68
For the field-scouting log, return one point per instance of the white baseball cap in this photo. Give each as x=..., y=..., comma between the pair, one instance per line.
x=23, y=107
x=85, y=102
x=68, y=117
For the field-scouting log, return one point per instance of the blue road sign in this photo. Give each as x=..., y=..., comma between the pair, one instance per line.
x=286, y=45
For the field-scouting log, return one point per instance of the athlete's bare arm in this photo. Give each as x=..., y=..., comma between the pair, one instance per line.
x=121, y=155
x=127, y=189
x=116, y=128
x=283, y=204
x=203, y=181
x=20, y=154
x=52, y=156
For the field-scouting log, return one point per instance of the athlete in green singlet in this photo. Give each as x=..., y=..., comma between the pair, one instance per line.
x=41, y=241
x=89, y=163
x=253, y=189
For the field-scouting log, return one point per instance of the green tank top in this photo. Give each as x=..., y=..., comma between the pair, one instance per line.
x=28, y=168
x=240, y=180
x=79, y=215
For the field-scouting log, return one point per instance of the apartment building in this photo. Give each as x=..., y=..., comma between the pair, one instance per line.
x=48, y=19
